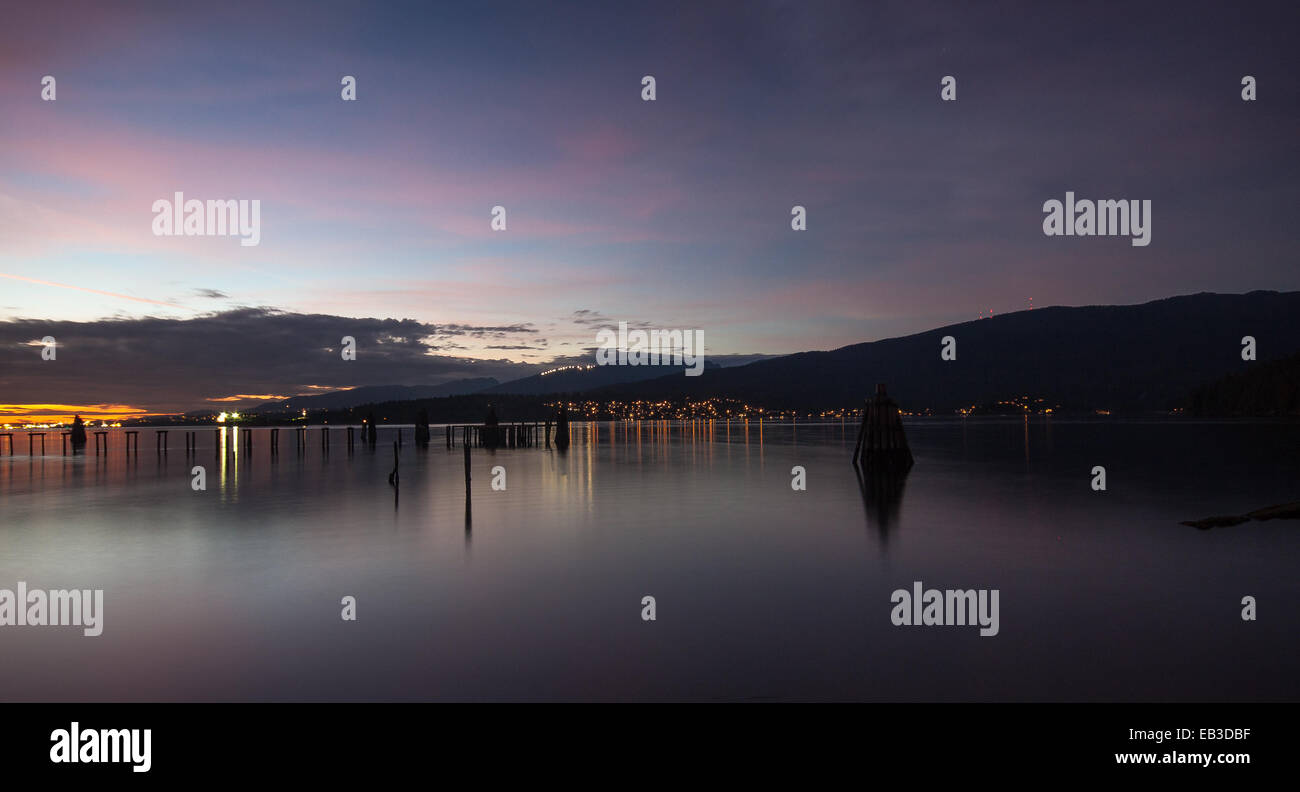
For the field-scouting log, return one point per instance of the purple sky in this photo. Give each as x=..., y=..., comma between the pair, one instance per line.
x=675, y=212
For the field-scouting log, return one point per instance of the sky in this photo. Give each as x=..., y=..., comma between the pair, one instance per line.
x=672, y=213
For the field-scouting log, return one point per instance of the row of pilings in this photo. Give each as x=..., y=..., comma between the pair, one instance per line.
x=510, y=435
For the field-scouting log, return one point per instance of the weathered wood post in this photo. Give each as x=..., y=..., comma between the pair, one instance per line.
x=160, y=440
x=562, y=428
x=467, y=471
x=882, y=444
x=422, y=428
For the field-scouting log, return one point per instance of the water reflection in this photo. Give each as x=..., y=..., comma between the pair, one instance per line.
x=882, y=499
x=690, y=514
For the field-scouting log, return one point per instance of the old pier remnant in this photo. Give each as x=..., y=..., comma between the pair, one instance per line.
x=882, y=444
x=562, y=428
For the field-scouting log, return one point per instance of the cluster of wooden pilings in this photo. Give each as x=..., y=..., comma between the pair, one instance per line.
x=882, y=445
x=507, y=435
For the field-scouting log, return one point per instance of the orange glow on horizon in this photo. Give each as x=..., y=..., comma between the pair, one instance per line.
x=22, y=414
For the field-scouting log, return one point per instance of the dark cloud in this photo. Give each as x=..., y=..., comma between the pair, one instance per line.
x=215, y=294
x=177, y=364
x=598, y=320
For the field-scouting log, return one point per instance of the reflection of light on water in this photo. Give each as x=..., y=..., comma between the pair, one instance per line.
x=229, y=471
x=591, y=462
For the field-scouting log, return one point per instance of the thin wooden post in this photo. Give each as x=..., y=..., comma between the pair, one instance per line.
x=467, y=471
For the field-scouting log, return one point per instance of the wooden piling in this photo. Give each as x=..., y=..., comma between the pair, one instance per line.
x=160, y=440
x=467, y=471
x=562, y=438
x=132, y=434
x=882, y=444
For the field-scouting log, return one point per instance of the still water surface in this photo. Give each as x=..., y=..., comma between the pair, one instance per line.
x=762, y=592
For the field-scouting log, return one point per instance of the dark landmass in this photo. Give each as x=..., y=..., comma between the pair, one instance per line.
x=1269, y=389
x=371, y=394
x=1136, y=360
x=581, y=379
x=1132, y=359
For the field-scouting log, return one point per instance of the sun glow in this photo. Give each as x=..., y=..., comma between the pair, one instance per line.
x=56, y=414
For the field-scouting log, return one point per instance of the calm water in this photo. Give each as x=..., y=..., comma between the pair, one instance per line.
x=762, y=592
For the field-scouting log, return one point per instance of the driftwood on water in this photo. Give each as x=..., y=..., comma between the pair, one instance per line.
x=1282, y=511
